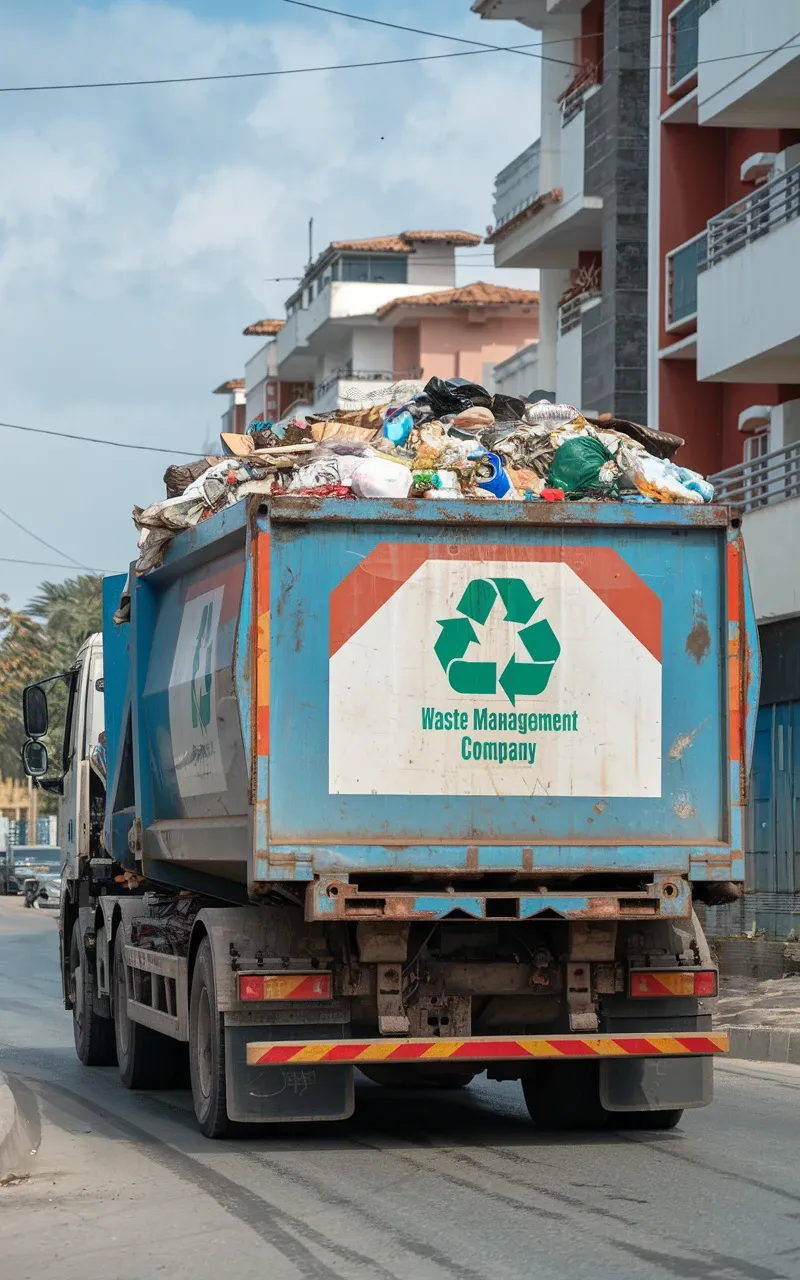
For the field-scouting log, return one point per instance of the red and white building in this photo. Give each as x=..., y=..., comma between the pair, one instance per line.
x=724, y=339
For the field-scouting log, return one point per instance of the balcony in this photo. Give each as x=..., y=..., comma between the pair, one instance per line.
x=683, y=45
x=683, y=266
x=546, y=228
x=766, y=491
x=749, y=63
x=748, y=321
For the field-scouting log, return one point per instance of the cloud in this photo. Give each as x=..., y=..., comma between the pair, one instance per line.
x=140, y=227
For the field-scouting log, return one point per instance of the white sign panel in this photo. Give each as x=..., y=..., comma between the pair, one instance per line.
x=193, y=698
x=506, y=679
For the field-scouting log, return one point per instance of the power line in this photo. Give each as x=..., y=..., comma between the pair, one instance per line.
x=256, y=75
x=355, y=66
x=113, y=444
x=437, y=35
x=49, y=545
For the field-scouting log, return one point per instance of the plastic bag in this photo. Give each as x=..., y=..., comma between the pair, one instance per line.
x=380, y=478
x=659, y=479
x=454, y=395
x=178, y=478
x=580, y=467
x=446, y=486
x=508, y=408
x=397, y=425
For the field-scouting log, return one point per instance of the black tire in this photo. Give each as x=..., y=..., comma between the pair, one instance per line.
x=413, y=1078
x=564, y=1096
x=94, y=1035
x=146, y=1059
x=207, y=1049
x=645, y=1119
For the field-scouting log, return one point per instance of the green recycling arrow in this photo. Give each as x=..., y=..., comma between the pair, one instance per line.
x=541, y=642
x=457, y=635
x=518, y=679
x=520, y=604
x=477, y=601
x=521, y=678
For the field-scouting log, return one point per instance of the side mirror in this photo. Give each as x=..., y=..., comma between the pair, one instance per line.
x=34, y=712
x=34, y=758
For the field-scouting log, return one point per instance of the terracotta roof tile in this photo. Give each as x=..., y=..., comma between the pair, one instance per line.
x=478, y=294
x=263, y=328
x=233, y=384
x=405, y=241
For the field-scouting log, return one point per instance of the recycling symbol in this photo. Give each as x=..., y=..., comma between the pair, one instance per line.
x=518, y=679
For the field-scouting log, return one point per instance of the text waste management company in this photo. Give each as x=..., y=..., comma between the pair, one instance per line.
x=495, y=671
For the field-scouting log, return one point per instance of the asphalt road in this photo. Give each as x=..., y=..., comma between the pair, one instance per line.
x=425, y=1187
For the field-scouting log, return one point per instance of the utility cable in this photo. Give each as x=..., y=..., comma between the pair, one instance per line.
x=49, y=545
x=113, y=444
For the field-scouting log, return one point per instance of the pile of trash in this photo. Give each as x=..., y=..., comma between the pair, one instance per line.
x=448, y=439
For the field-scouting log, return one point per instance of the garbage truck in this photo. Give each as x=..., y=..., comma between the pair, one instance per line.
x=423, y=788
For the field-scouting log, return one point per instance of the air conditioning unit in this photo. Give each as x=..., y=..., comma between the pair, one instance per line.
x=758, y=167
x=757, y=418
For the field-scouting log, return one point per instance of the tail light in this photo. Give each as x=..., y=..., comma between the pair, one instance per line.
x=648, y=983
x=285, y=986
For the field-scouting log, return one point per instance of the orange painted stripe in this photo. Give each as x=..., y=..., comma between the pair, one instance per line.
x=376, y=579
x=662, y=984
x=261, y=625
x=494, y=1048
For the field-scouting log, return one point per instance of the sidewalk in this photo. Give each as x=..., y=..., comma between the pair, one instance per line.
x=761, y=1018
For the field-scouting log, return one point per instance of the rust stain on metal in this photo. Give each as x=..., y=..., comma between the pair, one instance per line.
x=684, y=809
x=600, y=807
x=527, y=859
x=698, y=641
x=472, y=858
x=684, y=741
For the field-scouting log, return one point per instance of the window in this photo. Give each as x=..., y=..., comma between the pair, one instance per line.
x=371, y=269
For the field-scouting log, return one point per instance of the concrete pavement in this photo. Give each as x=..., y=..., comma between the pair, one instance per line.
x=415, y=1187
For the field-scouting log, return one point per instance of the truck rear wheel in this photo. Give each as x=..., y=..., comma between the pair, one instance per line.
x=564, y=1095
x=146, y=1059
x=94, y=1035
x=207, y=1049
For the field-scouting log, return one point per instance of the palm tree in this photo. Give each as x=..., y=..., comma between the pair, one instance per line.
x=40, y=642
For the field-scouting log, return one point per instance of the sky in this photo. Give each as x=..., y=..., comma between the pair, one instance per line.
x=140, y=228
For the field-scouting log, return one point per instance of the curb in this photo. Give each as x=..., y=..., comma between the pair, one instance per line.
x=12, y=1130
x=764, y=1044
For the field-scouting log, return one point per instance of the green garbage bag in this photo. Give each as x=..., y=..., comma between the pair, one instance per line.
x=583, y=466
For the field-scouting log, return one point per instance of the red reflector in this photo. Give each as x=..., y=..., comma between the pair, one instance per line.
x=645, y=984
x=705, y=984
x=285, y=986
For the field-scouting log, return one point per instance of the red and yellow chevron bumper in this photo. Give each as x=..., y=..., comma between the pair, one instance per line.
x=492, y=1049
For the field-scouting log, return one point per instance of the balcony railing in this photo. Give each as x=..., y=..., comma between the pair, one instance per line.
x=517, y=186
x=683, y=265
x=359, y=375
x=683, y=41
x=771, y=206
x=570, y=313
x=774, y=477
x=571, y=102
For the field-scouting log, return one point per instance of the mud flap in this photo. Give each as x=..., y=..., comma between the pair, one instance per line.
x=294, y=1092
x=656, y=1084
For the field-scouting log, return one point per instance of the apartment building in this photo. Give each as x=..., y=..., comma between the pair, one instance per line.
x=574, y=203
x=374, y=311
x=725, y=349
